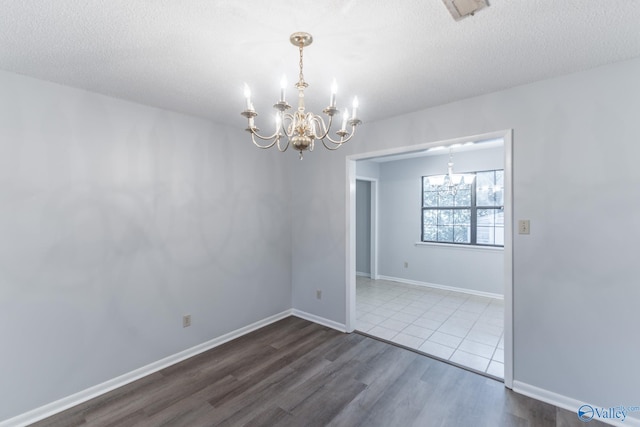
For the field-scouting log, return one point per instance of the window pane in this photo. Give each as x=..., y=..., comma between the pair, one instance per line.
x=484, y=184
x=496, y=195
x=445, y=234
x=445, y=199
x=462, y=217
x=486, y=217
x=499, y=236
x=430, y=199
x=490, y=188
x=430, y=234
x=445, y=217
x=429, y=217
x=485, y=236
x=490, y=230
x=499, y=217
x=426, y=185
x=463, y=197
x=462, y=234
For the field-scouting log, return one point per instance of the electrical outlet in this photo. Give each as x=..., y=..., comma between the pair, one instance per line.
x=523, y=226
x=406, y=264
x=318, y=294
x=186, y=320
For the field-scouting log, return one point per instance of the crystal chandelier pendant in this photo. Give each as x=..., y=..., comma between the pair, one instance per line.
x=301, y=129
x=451, y=182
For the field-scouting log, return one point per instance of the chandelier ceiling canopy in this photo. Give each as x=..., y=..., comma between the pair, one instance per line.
x=301, y=128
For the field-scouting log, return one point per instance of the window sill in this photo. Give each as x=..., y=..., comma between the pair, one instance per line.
x=463, y=247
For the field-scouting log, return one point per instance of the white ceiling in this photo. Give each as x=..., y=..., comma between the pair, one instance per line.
x=194, y=56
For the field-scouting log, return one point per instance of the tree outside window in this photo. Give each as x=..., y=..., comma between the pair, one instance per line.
x=472, y=215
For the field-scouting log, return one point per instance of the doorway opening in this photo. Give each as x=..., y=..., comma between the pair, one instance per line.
x=471, y=302
x=366, y=227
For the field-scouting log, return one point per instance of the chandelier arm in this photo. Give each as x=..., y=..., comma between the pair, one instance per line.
x=340, y=142
x=289, y=128
x=264, y=147
x=275, y=142
x=280, y=149
x=323, y=127
x=343, y=138
x=332, y=148
x=276, y=135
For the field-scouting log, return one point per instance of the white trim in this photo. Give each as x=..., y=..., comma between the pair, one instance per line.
x=443, y=287
x=319, y=320
x=461, y=246
x=112, y=384
x=427, y=145
x=565, y=402
x=374, y=228
x=508, y=258
x=363, y=274
x=350, y=246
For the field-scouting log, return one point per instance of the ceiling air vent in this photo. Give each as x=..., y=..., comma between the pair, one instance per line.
x=462, y=8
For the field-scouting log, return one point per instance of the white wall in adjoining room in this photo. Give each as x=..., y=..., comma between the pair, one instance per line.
x=368, y=169
x=116, y=219
x=574, y=176
x=475, y=269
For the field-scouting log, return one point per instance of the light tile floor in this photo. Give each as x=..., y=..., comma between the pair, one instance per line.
x=462, y=328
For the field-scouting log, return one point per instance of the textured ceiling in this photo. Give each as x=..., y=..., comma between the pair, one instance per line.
x=194, y=56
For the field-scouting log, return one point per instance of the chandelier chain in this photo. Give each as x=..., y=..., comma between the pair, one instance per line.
x=301, y=76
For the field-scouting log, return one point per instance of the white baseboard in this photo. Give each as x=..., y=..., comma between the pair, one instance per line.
x=45, y=411
x=443, y=287
x=97, y=390
x=569, y=403
x=319, y=320
x=362, y=274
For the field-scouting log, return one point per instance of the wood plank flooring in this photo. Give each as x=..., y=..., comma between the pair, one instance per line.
x=297, y=373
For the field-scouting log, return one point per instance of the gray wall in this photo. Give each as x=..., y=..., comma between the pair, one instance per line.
x=471, y=268
x=363, y=227
x=115, y=220
x=575, y=282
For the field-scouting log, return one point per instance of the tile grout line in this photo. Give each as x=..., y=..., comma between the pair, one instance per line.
x=394, y=292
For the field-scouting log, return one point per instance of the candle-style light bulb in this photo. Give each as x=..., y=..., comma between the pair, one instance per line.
x=355, y=107
x=345, y=117
x=283, y=87
x=247, y=95
x=334, y=90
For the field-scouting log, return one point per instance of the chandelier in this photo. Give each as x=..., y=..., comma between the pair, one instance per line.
x=451, y=182
x=302, y=128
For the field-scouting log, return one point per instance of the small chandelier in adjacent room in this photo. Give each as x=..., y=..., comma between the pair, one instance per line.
x=451, y=182
x=302, y=128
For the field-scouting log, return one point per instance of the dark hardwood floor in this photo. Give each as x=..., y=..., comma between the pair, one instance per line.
x=297, y=373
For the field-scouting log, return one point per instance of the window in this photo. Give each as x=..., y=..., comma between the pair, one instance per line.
x=474, y=215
